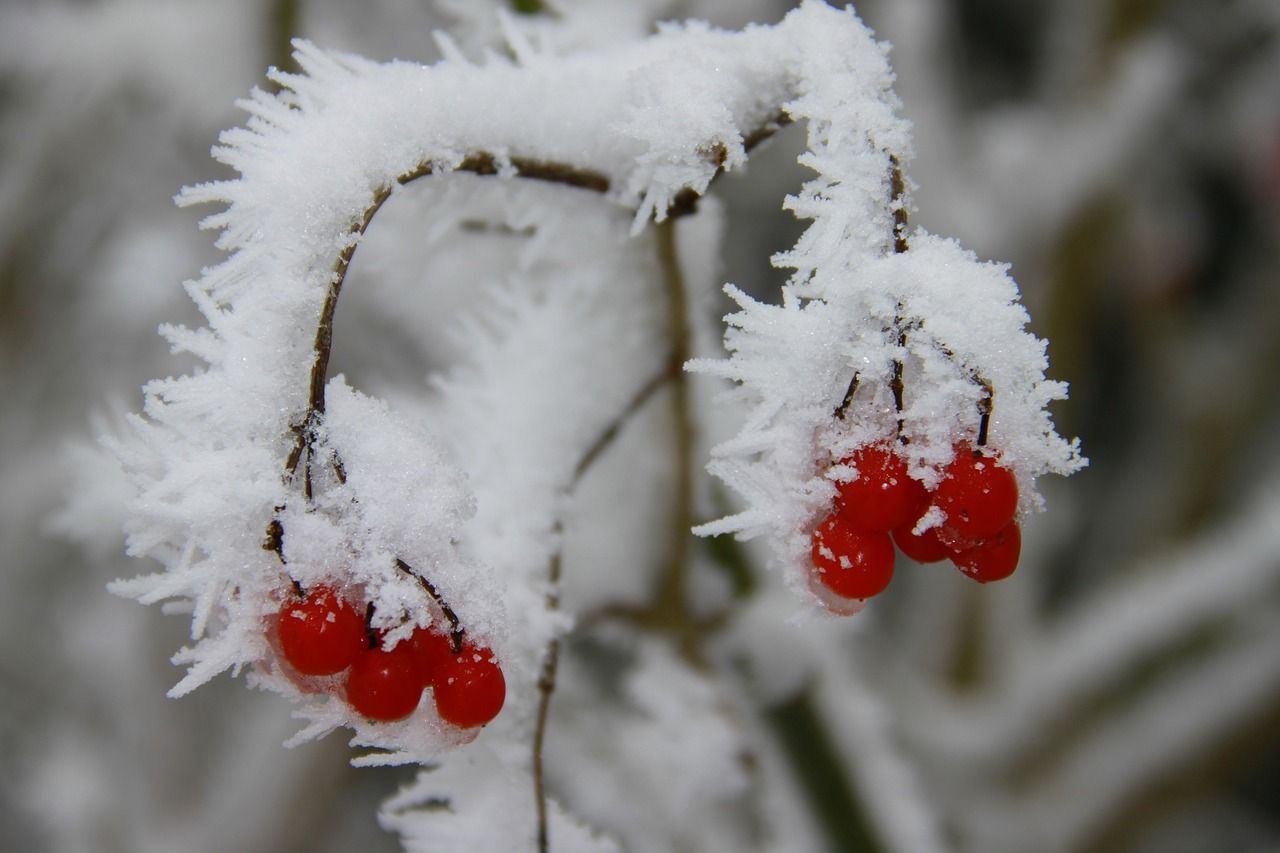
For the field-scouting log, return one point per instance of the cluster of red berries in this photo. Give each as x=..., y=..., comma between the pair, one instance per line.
x=853, y=552
x=321, y=634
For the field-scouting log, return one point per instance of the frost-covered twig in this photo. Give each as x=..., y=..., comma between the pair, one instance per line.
x=551, y=656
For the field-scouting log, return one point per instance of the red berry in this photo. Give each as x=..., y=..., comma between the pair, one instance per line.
x=925, y=548
x=470, y=689
x=884, y=495
x=835, y=604
x=431, y=652
x=954, y=542
x=993, y=558
x=383, y=684
x=320, y=633
x=851, y=563
x=978, y=496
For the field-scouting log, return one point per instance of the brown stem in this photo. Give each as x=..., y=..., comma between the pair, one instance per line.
x=848, y=397
x=985, y=406
x=274, y=540
x=671, y=372
x=551, y=658
x=671, y=585
x=898, y=203
x=371, y=636
x=546, y=687
x=455, y=625
x=895, y=381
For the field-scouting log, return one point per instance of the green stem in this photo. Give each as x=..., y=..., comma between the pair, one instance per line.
x=804, y=739
x=670, y=598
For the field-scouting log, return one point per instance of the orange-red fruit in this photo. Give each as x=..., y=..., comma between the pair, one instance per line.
x=978, y=496
x=837, y=605
x=884, y=495
x=320, y=633
x=431, y=652
x=470, y=689
x=993, y=558
x=383, y=684
x=850, y=562
x=925, y=548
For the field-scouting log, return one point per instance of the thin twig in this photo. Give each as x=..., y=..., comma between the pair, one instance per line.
x=274, y=540
x=985, y=405
x=455, y=625
x=898, y=203
x=848, y=397
x=668, y=373
x=479, y=163
x=551, y=658
x=671, y=585
x=546, y=687
x=895, y=380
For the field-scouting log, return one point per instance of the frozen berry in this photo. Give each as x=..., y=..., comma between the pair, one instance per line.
x=837, y=605
x=977, y=495
x=320, y=633
x=470, y=688
x=925, y=548
x=993, y=558
x=851, y=563
x=431, y=652
x=884, y=495
x=383, y=684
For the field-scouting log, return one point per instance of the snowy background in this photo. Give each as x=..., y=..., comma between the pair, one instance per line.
x=1121, y=692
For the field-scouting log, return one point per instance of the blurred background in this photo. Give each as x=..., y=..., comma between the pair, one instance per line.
x=1121, y=693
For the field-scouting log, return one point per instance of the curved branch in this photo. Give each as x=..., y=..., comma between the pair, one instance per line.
x=479, y=163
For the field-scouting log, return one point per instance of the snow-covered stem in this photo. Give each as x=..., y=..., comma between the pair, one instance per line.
x=481, y=163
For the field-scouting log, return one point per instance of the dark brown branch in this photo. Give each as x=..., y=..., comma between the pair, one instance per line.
x=686, y=201
x=371, y=636
x=482, y=163
x=985, y=406
x=479, y=163
x=848, y=397
x=898, y=203
x=455, y=625
x=895, y=381
x=897, y=387
x=274, y=540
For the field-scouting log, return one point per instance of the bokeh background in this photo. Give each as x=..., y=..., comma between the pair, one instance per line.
x=1121, y=693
